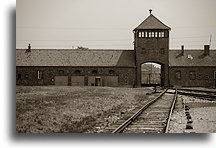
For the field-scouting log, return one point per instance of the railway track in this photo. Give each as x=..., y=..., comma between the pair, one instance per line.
x=153, y=117
x=202, y=94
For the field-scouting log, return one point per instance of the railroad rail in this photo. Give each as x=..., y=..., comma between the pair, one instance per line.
x=153, y=117
x=202, y=94
x=197, y=90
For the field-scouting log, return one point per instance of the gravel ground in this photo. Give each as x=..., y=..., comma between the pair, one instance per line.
x=202, y=115
x=52, y=109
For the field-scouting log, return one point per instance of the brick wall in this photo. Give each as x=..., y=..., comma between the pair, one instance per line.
x=152, y=50
x=192, y=76
x=29, y=75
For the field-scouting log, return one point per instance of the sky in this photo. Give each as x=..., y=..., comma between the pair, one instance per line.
x=108, y=24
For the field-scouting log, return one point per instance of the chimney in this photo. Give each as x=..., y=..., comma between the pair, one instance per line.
x=206, y=50
x=182, y=50
x=29, y=48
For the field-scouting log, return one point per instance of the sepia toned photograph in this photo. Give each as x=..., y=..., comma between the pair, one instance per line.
x=116, y=66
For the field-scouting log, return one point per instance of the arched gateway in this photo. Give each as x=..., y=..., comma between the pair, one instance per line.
x=151, y=44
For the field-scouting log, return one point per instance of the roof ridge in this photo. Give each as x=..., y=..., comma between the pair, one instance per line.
x=85, y=49
x=160, y=21
x=155, y=25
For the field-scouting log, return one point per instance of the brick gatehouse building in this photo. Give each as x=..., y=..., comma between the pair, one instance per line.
x=119, y=68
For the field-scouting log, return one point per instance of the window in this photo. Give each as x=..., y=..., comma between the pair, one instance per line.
x=77, y=72
x=111, y=72
x=206, y=77
x=139, y=35
x=94, y=71
x=146, y=34
x=178, y=75
x=152, y=34
x=162, y=34
x=61, y=72
x=40, y=74
x=143, y=35
x=192, y=75
x=19, y=76
x=199, y=77
x=149, y=34
x=156, y=33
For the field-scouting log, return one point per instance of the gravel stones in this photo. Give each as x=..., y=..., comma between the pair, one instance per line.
x=193, y=115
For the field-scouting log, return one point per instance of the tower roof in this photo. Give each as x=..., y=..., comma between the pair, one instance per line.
x=151, y=22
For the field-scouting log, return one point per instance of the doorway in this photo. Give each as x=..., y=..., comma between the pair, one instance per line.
x=97, y=81
x=61, y=80
x=151, y=74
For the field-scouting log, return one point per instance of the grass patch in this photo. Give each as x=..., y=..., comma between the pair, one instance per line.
x=52, y=109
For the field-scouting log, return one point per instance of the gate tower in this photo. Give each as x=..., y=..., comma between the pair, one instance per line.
x=151, y=44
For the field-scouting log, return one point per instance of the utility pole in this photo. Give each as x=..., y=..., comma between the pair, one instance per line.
x=150, y=75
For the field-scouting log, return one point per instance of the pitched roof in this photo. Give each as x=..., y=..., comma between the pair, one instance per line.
x=151, y=22
x=69, y=57
x=124, y=58
x=191, y=58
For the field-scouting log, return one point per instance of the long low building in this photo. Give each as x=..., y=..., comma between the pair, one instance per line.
x=195, y=68
x=119, y=68
x=108, y=67
x=75, y=67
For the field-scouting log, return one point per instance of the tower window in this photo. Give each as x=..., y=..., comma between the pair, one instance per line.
x=162, y=34
x=150, y=35
x=143, y=34
x=140, y=34
x=156, y=34
x=159, y=34
x=146, y=34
